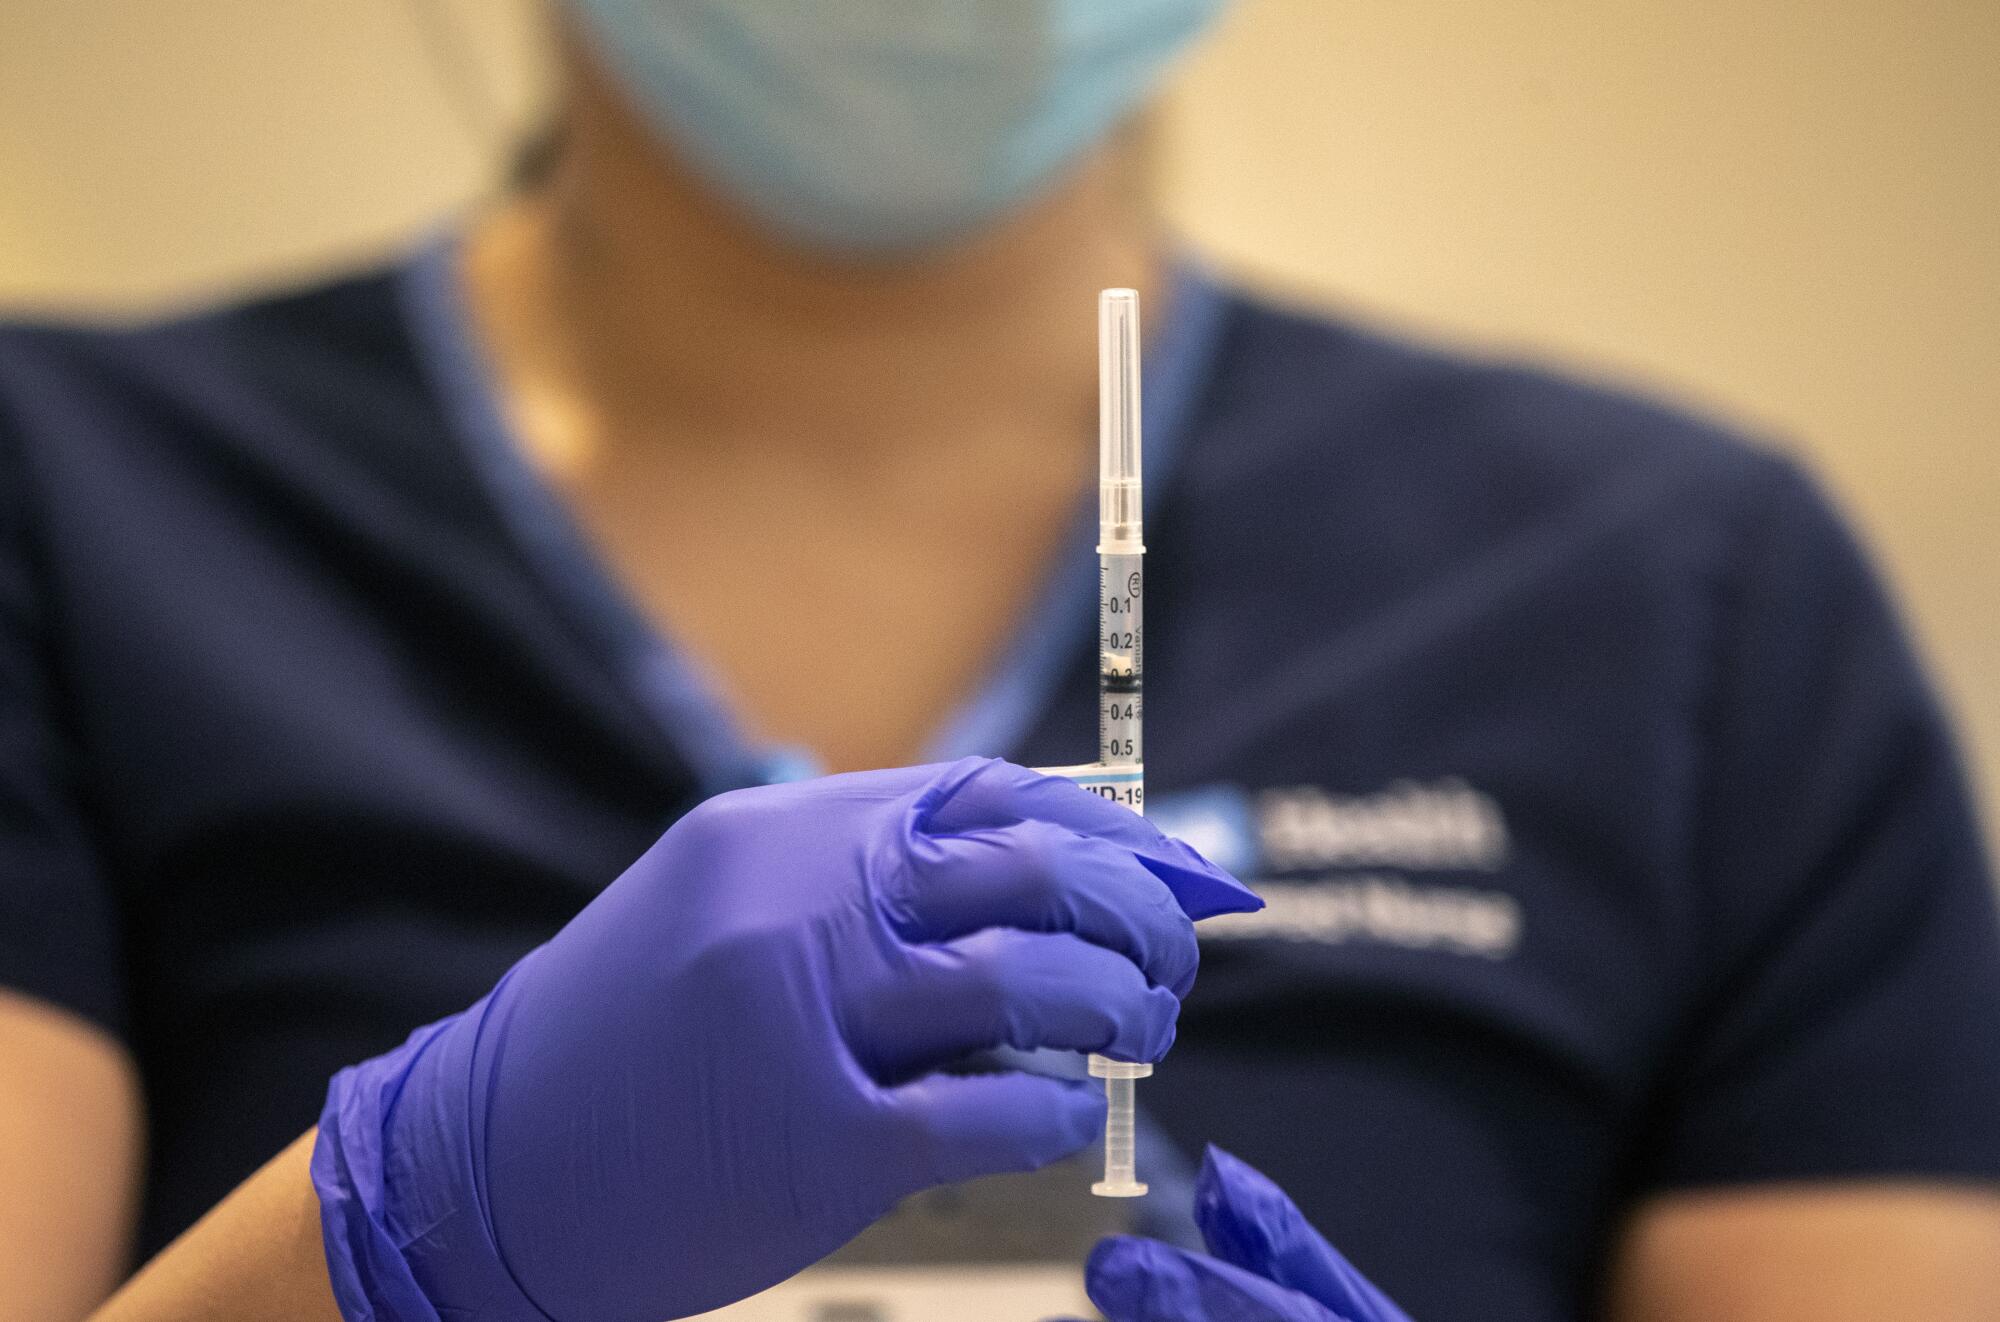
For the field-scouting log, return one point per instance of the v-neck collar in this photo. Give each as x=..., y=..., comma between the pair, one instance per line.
x=685, y=703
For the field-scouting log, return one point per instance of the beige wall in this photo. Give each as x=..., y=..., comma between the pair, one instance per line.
x=1788, y=211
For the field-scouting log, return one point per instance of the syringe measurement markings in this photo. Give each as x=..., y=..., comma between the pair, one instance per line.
x=1121, y=658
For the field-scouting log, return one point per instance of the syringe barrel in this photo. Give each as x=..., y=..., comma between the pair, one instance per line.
x=1121, y=660
x=1119, y=514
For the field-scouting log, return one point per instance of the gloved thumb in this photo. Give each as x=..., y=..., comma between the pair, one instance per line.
x=1247, y=1221
x=978, y=793
x=1143, y=1280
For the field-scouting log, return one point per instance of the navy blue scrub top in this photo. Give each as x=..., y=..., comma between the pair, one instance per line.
x=1612, y=839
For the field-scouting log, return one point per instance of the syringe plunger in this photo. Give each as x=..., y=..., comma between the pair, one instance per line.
x=1121, y=1164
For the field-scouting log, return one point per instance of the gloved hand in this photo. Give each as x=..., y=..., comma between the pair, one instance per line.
x=1269, y=1264
x=723, y=1068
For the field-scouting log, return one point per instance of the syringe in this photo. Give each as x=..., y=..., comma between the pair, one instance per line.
x=1121, y=655
x=1119, y=773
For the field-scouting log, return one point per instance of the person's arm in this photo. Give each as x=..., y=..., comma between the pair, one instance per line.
x=70, y=1113
x=1826, y=1136
x=1838, y=1253
x=69, y=1162
x=256, y=1255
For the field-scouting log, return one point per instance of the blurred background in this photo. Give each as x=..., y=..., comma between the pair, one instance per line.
x=1785, y=213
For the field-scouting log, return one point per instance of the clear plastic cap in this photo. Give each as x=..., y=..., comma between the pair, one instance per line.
x=1118, y=441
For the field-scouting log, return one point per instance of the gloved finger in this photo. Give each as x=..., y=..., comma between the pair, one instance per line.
x=1044, y=878
x=966, y=1126
x=1143, y=1280
x=977, y=794
x=1008, y=988
x=1247, y=1220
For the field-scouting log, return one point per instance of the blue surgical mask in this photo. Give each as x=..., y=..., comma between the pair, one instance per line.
x=879, y=126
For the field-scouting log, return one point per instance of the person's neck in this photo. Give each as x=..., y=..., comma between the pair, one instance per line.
x=628, y=305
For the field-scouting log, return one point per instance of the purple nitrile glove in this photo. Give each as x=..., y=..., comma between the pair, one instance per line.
x=1269, y=1265
x=724, y=1067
